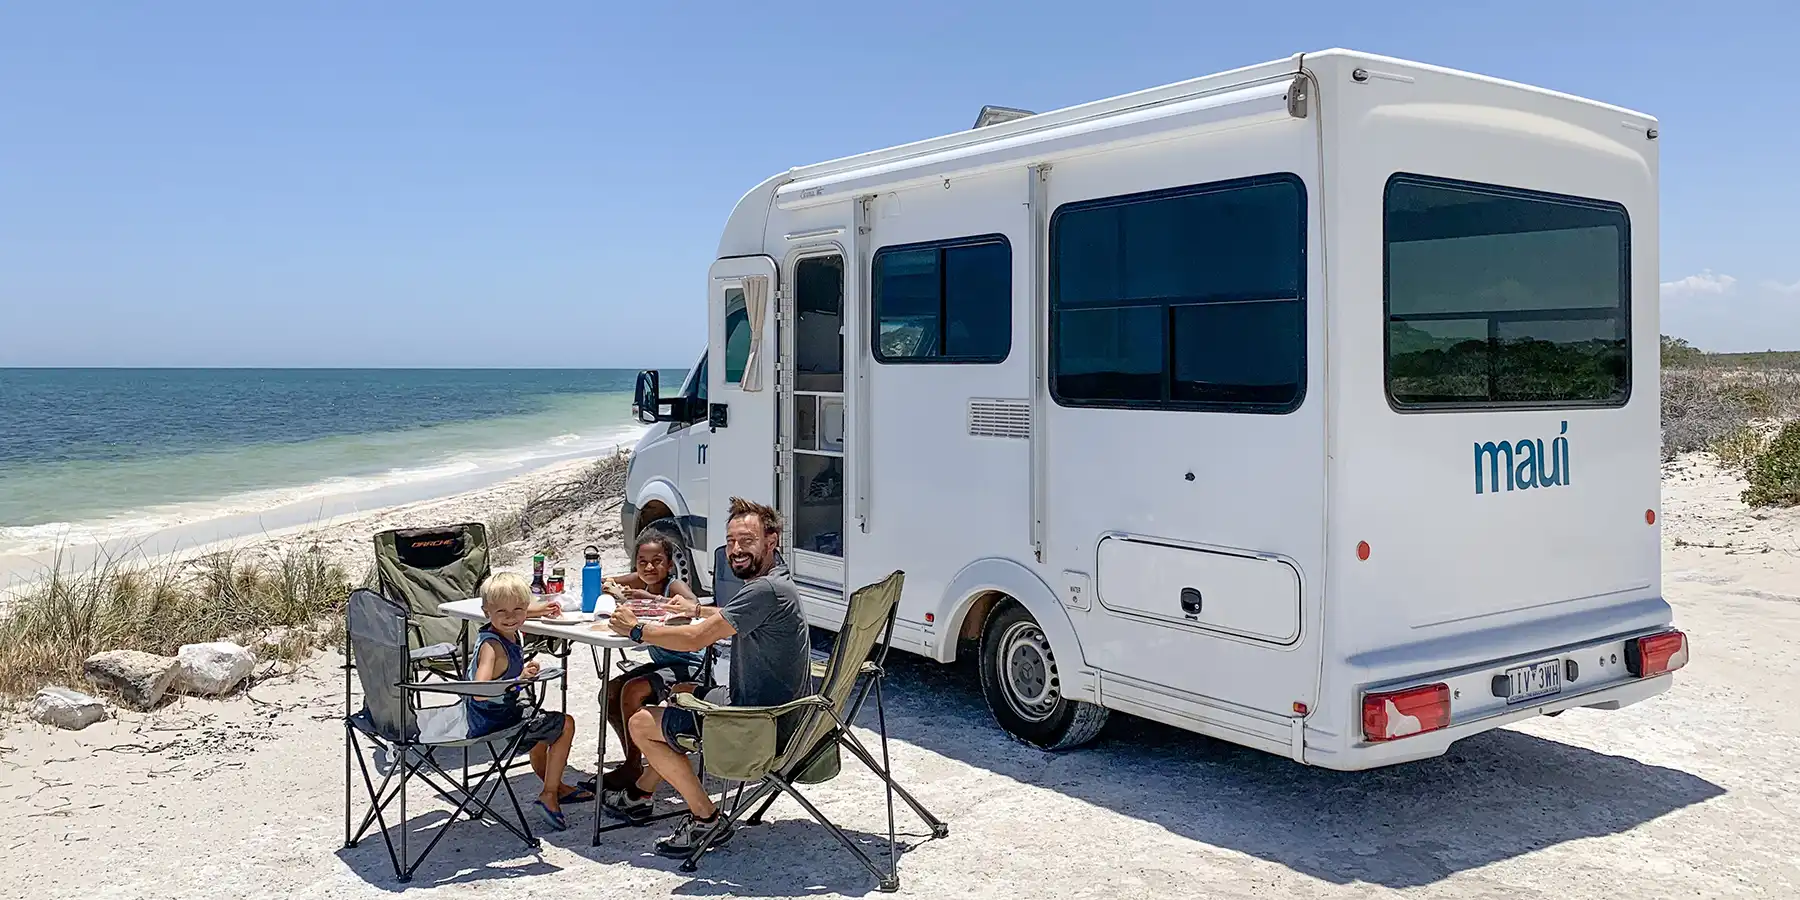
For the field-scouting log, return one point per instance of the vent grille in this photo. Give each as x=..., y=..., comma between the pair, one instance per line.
x=1000, y=418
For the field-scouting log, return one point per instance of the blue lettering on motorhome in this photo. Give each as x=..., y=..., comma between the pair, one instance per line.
x=1526, y=463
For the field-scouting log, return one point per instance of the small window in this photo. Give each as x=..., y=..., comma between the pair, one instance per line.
x=696, y=386
x=944, y=302
x=1500, y=297
x=1193, y=298
x=737, y=335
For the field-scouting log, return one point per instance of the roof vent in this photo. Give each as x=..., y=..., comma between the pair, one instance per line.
x=994, y=115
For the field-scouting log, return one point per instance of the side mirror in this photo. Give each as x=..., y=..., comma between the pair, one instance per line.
x=646, y=403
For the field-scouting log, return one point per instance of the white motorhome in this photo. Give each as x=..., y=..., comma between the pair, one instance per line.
x=1312, y=405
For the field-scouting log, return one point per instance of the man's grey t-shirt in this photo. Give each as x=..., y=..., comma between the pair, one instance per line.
x=771, y=654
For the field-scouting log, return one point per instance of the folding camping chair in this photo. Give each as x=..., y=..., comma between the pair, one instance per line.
x=392, y=719
x=423, y=568
x=742, y=742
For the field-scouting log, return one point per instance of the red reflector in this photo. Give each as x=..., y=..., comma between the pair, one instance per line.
x=1657, y=654
x=1649, y=517
x=1397, y=714
x=930, y=617
x=1362, y=550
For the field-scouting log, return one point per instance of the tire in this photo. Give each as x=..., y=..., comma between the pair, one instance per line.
x=1019, y=679
x=682, y=566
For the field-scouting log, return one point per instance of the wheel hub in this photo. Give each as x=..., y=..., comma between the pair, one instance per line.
x=1028, y=672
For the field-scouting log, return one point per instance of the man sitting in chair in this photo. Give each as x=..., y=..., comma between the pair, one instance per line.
x=771, y=664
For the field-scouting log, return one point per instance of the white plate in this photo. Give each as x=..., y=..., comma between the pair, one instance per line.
x=569, y=617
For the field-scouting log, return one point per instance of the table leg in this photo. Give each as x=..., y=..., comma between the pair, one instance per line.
x=565, y=648
x=602, y=664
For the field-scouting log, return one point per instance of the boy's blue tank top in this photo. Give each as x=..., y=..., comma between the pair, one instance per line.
x=487, y=716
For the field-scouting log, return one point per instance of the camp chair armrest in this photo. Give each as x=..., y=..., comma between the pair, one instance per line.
x=435, y=651
x=482, y=689
x=868, y=668
x=705, y=708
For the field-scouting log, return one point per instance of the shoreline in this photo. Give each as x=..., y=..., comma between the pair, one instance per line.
x=342, y=530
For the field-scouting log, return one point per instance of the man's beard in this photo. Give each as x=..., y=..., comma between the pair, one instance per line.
x=745, y=567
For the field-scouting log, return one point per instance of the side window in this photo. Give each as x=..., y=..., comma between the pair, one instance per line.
x=947, y=301
x=696, y=388
x=1504, y=298
x=1193, y=298
x=737, y=335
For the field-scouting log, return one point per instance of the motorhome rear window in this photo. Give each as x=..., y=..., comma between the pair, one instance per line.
x=1193, y=298
x=1500, y=297
x=946, y=301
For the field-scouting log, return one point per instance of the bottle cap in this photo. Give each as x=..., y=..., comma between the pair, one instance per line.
x=591, y=554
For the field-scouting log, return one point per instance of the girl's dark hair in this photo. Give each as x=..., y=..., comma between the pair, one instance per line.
x=651, y=537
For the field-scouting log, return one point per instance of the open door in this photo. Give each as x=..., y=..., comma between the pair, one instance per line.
x=741, y=390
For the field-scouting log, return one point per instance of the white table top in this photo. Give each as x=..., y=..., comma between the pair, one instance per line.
x=594, y=634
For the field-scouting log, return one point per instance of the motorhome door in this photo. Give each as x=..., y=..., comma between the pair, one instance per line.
x=741, y=388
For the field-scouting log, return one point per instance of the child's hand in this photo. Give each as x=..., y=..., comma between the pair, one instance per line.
x=531, y=669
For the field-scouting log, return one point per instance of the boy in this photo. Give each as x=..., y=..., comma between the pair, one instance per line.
x=507, y=602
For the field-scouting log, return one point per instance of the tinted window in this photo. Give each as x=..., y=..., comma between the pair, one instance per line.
x=1192, y=298
x=1497, y=297
x=737, y=335
x=944, y=302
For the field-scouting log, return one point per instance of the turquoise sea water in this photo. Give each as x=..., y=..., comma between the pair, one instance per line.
x=95, y=454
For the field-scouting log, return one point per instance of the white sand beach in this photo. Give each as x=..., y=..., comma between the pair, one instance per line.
x=1693, y=793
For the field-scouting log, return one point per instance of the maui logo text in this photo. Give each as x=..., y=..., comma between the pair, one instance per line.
x=1525, y=462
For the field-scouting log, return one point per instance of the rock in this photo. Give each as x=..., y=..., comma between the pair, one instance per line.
x=140, y=678
x=68, y=709
x=215, y=668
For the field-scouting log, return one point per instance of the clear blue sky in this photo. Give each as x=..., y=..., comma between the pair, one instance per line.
x=442, y=183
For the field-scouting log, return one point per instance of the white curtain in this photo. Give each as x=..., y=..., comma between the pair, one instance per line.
x=756, y=304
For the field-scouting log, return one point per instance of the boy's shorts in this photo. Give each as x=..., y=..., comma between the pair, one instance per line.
x=543, y=728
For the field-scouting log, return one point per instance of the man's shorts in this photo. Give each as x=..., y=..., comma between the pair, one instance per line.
x=662, y=678
x=680, y=728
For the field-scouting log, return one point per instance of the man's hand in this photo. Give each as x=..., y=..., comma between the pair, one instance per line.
x=531, y=670
x=622, y=620
x=682, y=606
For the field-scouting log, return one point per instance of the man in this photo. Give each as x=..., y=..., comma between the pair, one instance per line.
x=770, y=664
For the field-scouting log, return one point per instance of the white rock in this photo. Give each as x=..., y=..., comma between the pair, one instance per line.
x=215, y=668
x=64, y=708
x=140, y=678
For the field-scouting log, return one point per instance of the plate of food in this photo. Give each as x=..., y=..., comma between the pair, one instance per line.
x=568, y=617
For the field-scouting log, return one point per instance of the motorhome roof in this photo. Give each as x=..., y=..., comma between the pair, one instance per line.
x=1112, y=106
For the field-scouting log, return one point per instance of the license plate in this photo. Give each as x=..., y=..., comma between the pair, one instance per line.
x=1536, y=680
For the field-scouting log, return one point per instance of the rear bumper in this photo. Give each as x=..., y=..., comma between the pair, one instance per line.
x=1602, y=682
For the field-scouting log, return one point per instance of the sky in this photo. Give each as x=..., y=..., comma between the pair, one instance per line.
x=480, y=184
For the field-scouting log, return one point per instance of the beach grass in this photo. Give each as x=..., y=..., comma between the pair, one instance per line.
x=598, y=483
x=49, y=630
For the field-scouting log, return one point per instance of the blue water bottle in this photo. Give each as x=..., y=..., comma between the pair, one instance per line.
x=590, y=579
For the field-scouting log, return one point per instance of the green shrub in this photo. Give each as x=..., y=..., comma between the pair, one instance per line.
x=48, y=630
x=1736, y=449
x=1774, y=473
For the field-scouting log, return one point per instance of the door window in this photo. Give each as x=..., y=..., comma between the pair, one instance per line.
x=737, y=335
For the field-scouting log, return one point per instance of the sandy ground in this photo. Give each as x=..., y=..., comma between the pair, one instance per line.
x=1692, y=794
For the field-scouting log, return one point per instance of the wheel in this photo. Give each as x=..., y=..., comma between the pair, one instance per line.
x=682, y=566
x=1024, y=692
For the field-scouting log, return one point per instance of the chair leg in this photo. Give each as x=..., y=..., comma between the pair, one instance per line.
x=348, y=796
x=887, y=881
x=406, y=775
x=938, y=828
x=893, y=842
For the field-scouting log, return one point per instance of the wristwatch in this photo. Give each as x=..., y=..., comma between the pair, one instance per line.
x=637, y=633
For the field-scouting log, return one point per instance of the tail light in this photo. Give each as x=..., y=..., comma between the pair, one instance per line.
x=1397, y=714
x=1656, y=654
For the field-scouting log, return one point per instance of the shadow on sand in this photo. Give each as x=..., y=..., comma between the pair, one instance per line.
x=1494, y=797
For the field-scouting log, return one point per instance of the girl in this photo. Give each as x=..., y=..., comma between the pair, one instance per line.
x=652, y=682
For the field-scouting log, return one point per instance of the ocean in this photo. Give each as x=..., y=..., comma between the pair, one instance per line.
x=95, y=455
